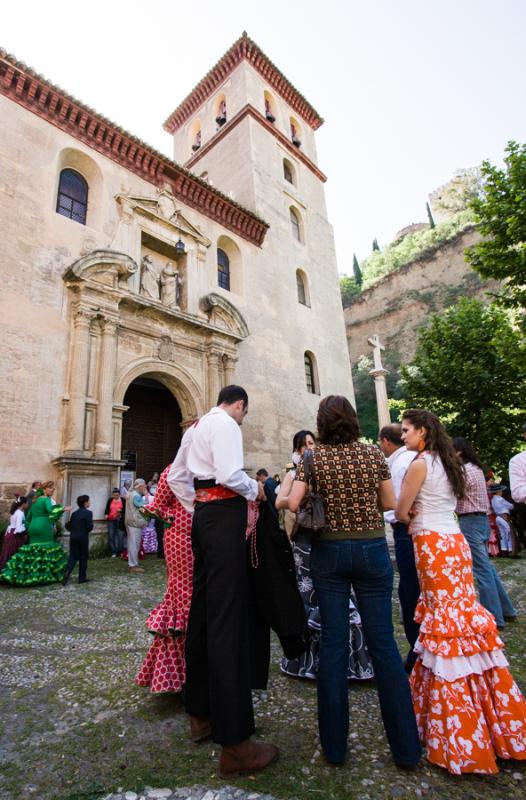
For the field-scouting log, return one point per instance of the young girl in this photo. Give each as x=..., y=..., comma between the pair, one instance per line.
x=15, y=535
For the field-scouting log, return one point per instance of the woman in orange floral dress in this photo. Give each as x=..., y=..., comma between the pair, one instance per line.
x=468, y=708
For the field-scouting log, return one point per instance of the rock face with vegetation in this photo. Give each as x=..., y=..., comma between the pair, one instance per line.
x=399, y=303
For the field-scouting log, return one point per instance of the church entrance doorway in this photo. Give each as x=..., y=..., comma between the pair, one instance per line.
x=151, y=429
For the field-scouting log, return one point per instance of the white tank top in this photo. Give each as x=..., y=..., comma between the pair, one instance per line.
x=435, y=503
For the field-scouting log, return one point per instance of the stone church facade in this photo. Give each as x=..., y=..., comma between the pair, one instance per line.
x=134, y=286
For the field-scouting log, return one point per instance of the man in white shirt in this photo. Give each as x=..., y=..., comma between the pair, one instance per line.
x=398, y=459
x=208, y=471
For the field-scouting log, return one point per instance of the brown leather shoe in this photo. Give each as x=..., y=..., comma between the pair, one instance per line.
x=200, y=728
x=248, y=756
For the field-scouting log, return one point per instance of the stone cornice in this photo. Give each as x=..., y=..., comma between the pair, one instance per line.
x=249, y=110
x=32, y=91
x=243, y=48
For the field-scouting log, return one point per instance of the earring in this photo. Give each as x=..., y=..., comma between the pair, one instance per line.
x=421, y=445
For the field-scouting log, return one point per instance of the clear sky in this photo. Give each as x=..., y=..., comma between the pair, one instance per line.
x=411, y=90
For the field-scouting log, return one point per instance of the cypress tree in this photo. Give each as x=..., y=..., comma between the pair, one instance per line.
x=358, y=277
x=430, y=216
x=376, y=246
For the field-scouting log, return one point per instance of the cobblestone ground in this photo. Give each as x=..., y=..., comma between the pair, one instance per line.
x=75, y=727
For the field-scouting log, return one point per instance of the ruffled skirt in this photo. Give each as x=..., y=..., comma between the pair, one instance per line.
x=468, y=708
x=164, y=668
x=35, y=564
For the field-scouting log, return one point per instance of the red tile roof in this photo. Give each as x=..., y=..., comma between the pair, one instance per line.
x=35, y=93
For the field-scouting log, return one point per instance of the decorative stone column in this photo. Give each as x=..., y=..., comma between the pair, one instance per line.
x=214, y=383
x=382, y=404
x=78, y=382
x=380, y=386
x=229, y=365
x=108, y=357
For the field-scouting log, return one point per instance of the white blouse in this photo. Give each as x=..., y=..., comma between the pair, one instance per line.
x=17, y=522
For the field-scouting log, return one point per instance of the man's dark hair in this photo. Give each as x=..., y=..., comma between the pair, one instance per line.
x=231, y=394
x=262, y=471
x=337, y=421
x=82, y=499
x=393, y=434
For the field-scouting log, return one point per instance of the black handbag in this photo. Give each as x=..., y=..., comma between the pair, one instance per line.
x=311, y=513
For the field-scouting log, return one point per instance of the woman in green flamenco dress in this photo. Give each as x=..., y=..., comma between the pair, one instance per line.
x=43, y=560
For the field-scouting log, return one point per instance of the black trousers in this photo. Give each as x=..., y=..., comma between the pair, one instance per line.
x=78, y=551
x=217, y=642
x=408, y=587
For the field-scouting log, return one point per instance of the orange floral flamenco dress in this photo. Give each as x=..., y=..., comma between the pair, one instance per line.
x=164, y=667
x=468, y=708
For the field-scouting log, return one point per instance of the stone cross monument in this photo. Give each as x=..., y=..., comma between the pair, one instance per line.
x=378, y=372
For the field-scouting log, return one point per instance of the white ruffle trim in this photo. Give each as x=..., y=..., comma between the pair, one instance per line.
x=450, y=669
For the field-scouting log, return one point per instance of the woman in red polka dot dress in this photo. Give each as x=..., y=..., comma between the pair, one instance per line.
x=164, y=669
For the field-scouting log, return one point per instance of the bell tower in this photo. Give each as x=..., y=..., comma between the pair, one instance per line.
x=250, y=133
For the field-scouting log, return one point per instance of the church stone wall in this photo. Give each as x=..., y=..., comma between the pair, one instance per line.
x=58, y=332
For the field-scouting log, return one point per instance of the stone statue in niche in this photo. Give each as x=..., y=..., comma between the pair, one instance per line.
x=171, y=286
x=149, y=279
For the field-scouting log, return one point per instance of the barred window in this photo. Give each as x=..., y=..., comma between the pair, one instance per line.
x=223, y=269
x=72, y=199
x=309, y=374
x=295, y=224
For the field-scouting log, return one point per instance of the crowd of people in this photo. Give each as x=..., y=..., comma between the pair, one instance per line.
x=452, y=694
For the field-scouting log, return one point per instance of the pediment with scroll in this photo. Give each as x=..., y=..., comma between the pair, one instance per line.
x=162, y=209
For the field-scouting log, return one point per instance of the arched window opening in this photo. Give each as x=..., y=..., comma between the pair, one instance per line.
x=270, y=110
x=288, y=172
x=223, y=270
x=310, y=374
x=221, y=110
x=195, y=135
x=72, y=197
x=295, y=224
x=302, y=291
x=295, y=133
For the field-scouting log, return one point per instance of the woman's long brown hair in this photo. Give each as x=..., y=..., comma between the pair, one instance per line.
x=438, y=441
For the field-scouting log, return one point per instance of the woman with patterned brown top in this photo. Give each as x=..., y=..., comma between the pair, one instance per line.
x=354, y=480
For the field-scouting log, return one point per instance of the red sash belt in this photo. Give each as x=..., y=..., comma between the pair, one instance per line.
x=213, y=493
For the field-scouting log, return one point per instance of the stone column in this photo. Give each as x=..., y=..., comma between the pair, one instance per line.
x=108, y=357
x=382, y=405
x=214, y=383
x=78, y=381
x=229, y=365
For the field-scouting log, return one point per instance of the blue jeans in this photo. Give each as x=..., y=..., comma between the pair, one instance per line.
x=408, y=587
x=493, y=595
x=365, y=564
x=115, y=537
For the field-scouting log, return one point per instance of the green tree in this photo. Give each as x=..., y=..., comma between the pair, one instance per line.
x=469, y=369
x=376, y=246
x=501, y=215
x=357, y=272
x=349, y=289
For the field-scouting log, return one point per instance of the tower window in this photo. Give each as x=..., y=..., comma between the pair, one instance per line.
x=295, y=224
x=72, y=198
x=300, y=284
x=223, y=270
x=310, y=373
x=288, y=171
